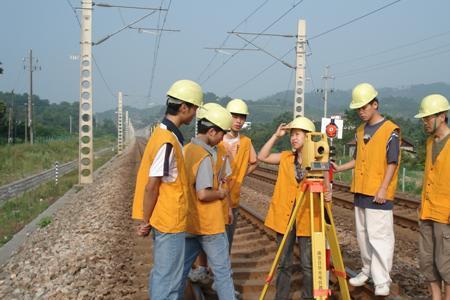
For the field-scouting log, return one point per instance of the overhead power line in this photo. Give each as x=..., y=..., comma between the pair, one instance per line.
x=267, y=52
x=123, y=28
x=155, y=54
x=123, y=6
x=228, y=36
x=254, y=38
x=402, y=46
x=259, y=73
x=93, y=57
x=320, y=35
x=401, y=60
x=353, y=20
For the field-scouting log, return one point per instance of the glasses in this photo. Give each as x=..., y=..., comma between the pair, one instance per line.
x=428, y=118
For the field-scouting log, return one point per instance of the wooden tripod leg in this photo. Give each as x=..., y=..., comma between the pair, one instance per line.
x=338, y=263
x=300, y=196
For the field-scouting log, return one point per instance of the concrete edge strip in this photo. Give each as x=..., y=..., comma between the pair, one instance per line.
x=9, y=249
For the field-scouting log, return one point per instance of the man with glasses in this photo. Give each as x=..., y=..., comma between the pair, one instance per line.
x=434, y=242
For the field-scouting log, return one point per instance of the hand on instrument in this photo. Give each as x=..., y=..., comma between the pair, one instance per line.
x=336, y=168
x=328, y=196
x=143, y=229
x=380, y=196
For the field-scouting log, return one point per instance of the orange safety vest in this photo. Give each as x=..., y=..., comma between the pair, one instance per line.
x=371, y=162
x=284, y=198
x=169, y=214
x=436, y=187
x=239, y=165
x=204, y=217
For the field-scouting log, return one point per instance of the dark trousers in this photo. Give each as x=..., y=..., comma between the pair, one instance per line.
x=285, y=266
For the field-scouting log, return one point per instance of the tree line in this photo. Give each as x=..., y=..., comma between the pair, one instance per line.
x=50, y=120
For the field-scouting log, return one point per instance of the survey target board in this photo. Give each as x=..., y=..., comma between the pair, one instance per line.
x=332, y=127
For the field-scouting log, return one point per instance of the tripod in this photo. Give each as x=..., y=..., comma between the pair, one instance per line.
x=313, y=184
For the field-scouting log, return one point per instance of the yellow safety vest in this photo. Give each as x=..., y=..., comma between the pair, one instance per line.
x=371, y=162
x=284, y=198
x=204, y=217
x=436, y=187
x=169, y=214
x=239, y=165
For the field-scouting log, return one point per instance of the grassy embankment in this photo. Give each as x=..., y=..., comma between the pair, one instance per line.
x=19, y=211
x=21, y=160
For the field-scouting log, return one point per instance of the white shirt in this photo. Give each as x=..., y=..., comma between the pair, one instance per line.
x=164, y=164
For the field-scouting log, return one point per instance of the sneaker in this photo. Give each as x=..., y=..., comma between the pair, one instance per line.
x=359, y=279
x=199, y=274
x=382, y=290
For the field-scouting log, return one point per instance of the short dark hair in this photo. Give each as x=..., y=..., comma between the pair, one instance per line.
x=173, y=105
x=374, y=100
x=203, y=127
x=239, y=115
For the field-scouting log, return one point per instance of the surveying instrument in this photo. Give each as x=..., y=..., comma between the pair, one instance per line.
x=315, y=156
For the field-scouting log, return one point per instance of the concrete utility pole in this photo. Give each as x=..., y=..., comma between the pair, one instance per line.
x=29, y=123
x=70, y=124
x=127, y=120
x=119, y=124
x=30, y=98
x=86, y=151
x=325, y=90
x=11, y=119
x=26, y=124
x=299, y=93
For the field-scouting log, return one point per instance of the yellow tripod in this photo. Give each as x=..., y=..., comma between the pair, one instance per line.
x=319, y=235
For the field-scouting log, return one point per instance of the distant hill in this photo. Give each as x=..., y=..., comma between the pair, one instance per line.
x=139, y=117
x=397, y=102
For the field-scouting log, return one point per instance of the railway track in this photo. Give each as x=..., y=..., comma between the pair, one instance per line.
x=254, y=249
x=404, y=211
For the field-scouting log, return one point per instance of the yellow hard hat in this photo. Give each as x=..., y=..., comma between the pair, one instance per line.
x=302, y=123
x=237, y=106
x=187, y=91
x=432, y=104
x=362, y=94
x=216, y=114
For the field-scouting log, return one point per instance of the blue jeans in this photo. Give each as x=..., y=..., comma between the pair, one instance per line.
x=216, y=248
x=230, y=228
x=165, y=277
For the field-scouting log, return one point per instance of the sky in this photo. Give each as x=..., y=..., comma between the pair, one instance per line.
x=405, y=43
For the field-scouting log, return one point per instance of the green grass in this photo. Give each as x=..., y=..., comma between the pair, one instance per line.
x=21, y=160
x=19, y=211
x=44, y=221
